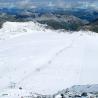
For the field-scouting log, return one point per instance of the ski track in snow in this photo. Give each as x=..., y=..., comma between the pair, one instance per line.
x=42, y=67
x=49, y=62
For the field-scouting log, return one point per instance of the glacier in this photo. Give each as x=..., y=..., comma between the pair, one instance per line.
x=45, y=61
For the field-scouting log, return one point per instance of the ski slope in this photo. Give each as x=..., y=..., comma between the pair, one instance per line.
x=45, y=61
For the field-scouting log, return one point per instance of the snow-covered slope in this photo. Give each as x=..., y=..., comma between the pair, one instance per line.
x=10, y=29
x=45, y=61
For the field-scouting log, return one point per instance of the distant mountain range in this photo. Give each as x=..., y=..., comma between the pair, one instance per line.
x=55, y=18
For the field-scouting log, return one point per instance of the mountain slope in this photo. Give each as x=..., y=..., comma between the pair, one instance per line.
x=93, y=26
x=46, y=61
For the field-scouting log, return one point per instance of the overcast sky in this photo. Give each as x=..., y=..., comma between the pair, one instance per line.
x=45, y=0
x=59, y=3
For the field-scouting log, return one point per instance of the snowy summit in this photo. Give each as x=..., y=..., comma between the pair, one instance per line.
x=35, y=59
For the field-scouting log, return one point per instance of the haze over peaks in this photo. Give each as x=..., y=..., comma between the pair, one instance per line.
x=50, y=3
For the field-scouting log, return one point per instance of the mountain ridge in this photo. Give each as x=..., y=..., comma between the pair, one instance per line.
x=56, y=18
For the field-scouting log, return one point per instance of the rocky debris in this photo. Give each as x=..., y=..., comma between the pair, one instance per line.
x=80, y=91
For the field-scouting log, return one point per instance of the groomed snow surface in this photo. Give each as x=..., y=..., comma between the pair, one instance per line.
x=45, y=61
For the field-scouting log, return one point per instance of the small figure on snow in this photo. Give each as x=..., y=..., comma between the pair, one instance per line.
x=62, y=96
x=20, y=88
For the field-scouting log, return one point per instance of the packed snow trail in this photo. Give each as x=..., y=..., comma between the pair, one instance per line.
x=44, y=61
x=48, y=63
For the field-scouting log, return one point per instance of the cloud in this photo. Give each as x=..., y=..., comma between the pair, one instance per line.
x=20, y=4
x=25, y=4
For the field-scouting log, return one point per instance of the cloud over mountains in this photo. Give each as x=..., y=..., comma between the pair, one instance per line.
x=50, y=3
